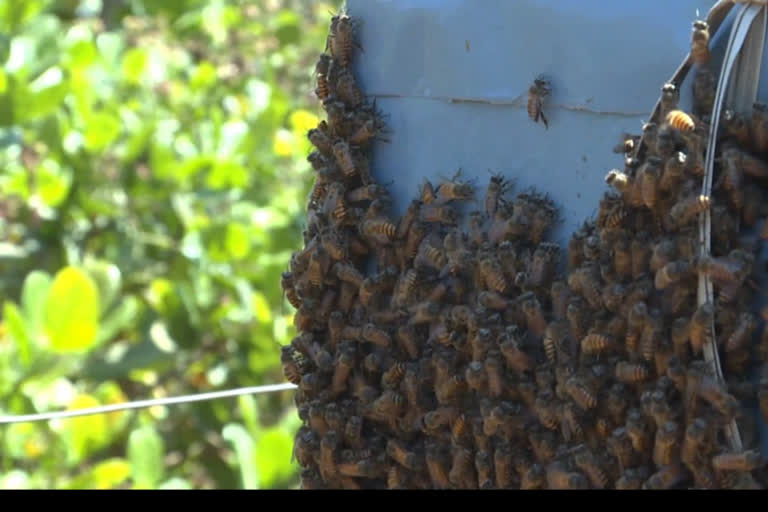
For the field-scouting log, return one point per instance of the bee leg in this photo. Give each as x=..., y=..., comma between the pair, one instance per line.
x=543, y=119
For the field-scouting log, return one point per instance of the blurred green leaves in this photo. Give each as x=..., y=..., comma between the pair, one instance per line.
x=153, y=176
x=71, y=317
x=145, y=453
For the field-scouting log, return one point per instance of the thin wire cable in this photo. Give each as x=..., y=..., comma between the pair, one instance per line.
x=140, y=404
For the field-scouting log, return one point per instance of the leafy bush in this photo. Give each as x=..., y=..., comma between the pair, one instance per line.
x=152, y=180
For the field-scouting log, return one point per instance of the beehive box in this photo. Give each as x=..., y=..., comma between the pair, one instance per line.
x=453, y=79
x=446, y=109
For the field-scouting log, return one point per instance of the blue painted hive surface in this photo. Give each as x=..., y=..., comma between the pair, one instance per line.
x=432, y=358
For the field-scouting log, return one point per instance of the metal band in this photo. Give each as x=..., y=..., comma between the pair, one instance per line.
x=140, y=404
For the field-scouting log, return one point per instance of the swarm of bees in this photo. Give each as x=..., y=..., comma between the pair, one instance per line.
x=433, y=356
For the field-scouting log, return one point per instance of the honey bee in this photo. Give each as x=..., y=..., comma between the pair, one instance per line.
x=502, y=462
x=414, y=238
x=580, y=393
x=554, y=338
x=588, y=463
x=439, y=214
x=543, y=445
x=321, y=138
x=366, y=468
x=695, y=442
x=495, y=371
x=408, y=459
x=666, y=478
x=379, y=230
x=484, y=468
x=674, y=169
x=322, y=91
x=543, y=264
x=638, y=431
x=686, y=210
x=663, y=253
x=546, y=411
x=737, y=127
x=496, y=188
x=586, y=282
x=672, y=273
x=327, y=461
x=619, y=444
x=339, y=122
x=391, y=378
x=396, y=478
x=666, y=446
x=454, y=190
x=462, y=472
x=744, y=461
x=377, y=336
x=701, y=327
x=742, y=333
x=560, y=295
x=595, y=343
x=310, y=479
x=641, y=254
x=576, y=315
x=622, y=256
x=700, y=43
x=704, y=90
x=429, y=255
x=320, y=357
x=343, y=154
x=759, y=126
x=629, y=480
x=333, y=418
x=544, y=218
x=306, y=446
x=449, y=389
x=341, y=39
x=558, y=477
x=750, y=165
x=649, y=176
x=424, y=313
x=732, y=269
x=680, y=121
x=476, y=377
x=628, y=144
x=630, y=373
x=368, y=131
x=613, y=297
x=347, y=89
x=670, y=96
x=534, y=478
x=290, y=368
x=427, y=193
x=534, y=316
x=407, y=220
x=437, y=465
x=536, y=94
x=493, y=275
x=650, y=135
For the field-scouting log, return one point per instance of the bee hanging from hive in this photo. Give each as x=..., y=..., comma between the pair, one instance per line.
x=537, y=93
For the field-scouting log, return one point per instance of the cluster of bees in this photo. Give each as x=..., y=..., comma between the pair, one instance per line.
x=430, y=355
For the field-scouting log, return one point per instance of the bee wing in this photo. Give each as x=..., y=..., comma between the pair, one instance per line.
x=543, y=119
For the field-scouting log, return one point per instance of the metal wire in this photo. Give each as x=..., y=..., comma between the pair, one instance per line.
x=140, y=404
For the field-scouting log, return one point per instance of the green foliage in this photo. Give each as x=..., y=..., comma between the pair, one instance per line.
x=152, y=179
